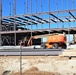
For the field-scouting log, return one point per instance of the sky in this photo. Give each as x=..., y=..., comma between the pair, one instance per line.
x=21, y=8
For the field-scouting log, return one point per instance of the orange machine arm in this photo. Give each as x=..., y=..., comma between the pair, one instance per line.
x=30, y=40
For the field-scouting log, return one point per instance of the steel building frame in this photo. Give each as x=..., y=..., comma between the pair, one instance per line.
x=9, y=24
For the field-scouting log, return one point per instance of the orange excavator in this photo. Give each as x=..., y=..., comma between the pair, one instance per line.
x=52, y=41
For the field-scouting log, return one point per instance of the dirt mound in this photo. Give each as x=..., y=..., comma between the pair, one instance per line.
x=35, y=71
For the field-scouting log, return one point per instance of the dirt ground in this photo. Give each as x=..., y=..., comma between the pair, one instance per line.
x=35, y=71
x=37, y=65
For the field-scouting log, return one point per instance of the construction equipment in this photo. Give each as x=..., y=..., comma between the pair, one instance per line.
x=30, y=41
x=55, y=41
x=52, y=41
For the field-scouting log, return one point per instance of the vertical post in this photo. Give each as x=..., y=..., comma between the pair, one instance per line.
x=15, y=22
x=73, y=8
x=0, y=19
x=57, y=10
x=68, y=23
x=63, y=13
x=49, y=15
x=36, y=12
x=31, y=16
x=41, y=14
x=25, y=13
x=27, y=6
x=24, y=8
x=10, y=8
x=27, y=10
x=72, y=4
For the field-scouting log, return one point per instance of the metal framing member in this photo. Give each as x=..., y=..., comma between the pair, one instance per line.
x=57, y=10
x=25, y=13
x=41, y=11
x=49, y=14
x=31, y=17
x=15, y=21
x=40, y=18
x=68, y=23
x=54, y=12
x=73, y=8
x=68, y=19
x=22, y=18
x=27, y=10
x=37, y=17
x=10, y=8
x=8, y=20
x=53, y=20
x=0, y=15
x=36, y=13
x=24, y=8
x=26, y=31
x=0, y=20
x=56, y=17
x=63, y=13
x=72, y=15
x=73, y=4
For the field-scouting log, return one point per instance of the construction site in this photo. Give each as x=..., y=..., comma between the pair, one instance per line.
x=39, y=41
x=37, y=23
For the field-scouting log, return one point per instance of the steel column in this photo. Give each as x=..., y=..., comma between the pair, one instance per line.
x=49, y=15
x=0, y=19
x=15, y=22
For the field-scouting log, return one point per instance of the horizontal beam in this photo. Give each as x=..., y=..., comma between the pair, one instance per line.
x=37, y=14
x=42, y=30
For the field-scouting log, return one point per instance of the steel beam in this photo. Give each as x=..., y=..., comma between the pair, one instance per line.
x=15, y=21
x=68, y=19
x=53, y=20
x=22, y=18
x=40, y=18
x=56, y=17
x=72, y=15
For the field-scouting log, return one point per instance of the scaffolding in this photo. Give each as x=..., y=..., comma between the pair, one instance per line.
x=13, y=26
